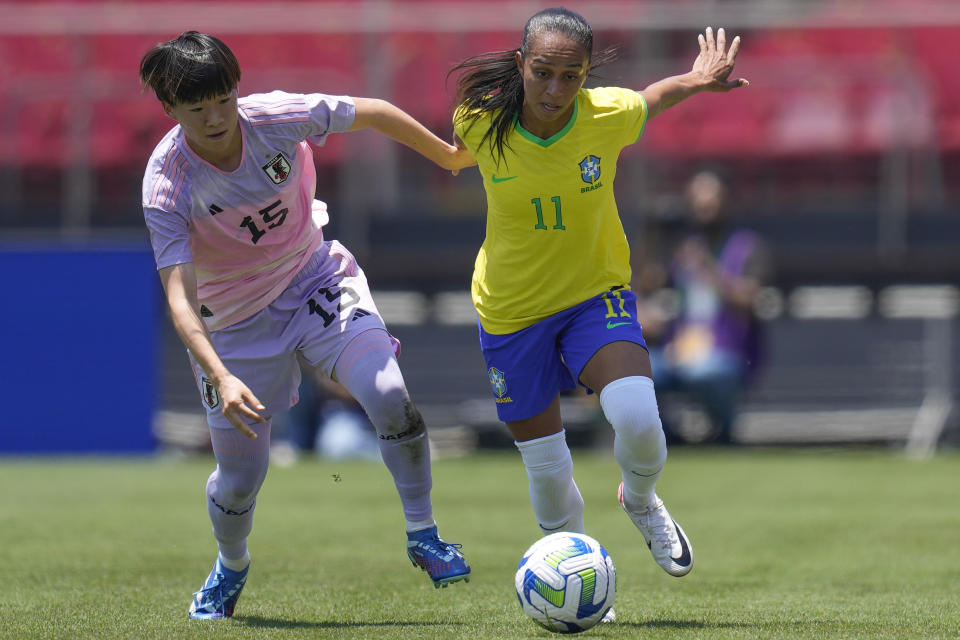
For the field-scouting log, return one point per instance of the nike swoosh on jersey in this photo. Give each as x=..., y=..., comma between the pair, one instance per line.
x=496, y=179
x=611, y=325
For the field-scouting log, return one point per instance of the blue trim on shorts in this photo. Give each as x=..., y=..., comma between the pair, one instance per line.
x=528, y=368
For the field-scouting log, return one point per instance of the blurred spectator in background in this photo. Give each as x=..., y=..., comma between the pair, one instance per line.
x=327, y=421
x=708, y=345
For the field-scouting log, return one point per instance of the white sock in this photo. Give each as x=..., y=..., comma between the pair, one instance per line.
x=233, y=486
x=237, y=564
x=369, y=370
x=557, y=503
x=639, y=444
x=420, y=525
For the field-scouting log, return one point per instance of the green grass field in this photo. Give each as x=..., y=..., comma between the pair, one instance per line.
x=789, y=544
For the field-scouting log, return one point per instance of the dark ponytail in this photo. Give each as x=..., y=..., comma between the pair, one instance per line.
x=491, y=82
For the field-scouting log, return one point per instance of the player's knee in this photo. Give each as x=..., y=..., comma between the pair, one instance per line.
x=401, y=421
x=382, y=393
x=238, y=492
x=630, y=405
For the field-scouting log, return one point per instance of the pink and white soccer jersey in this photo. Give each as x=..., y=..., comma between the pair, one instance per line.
x=268, y=283
x=248, y=232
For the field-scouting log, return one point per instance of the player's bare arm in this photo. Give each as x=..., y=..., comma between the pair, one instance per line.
x=179, y=284
x=462, y=149
x=393, y=122
x=711, y=72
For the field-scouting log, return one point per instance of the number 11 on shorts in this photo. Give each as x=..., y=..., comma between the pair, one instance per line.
x=613, y=313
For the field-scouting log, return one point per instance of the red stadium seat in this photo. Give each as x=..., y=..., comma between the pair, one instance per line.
x=40, y=133
x=855, y=107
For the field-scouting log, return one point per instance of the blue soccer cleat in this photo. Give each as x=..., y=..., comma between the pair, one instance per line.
x=219, y=594
x=442, y=561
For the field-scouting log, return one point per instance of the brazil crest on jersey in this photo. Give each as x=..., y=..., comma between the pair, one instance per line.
x=554, y=237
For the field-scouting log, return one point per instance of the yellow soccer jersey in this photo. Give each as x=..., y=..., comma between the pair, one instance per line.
x=554, y=237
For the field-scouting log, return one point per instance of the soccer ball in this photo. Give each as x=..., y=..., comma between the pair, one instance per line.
x=566, y=582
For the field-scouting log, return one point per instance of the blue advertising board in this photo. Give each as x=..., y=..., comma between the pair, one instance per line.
x=79, y=361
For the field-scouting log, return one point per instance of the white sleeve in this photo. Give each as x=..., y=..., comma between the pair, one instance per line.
x=334, y=113
x=298, y=116
x=169, y=237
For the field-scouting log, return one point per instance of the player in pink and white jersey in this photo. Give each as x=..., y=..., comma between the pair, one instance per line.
x=228, y=198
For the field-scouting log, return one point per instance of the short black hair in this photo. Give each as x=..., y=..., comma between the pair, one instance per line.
x=192, y=67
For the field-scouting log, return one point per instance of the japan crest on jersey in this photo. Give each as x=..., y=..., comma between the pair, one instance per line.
x=211, y=397
x=278, y=169
x=590, y=169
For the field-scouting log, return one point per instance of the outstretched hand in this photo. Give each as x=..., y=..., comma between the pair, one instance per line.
x=715, y=62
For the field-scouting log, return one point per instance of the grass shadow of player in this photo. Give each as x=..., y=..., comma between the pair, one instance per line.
x=279, y=623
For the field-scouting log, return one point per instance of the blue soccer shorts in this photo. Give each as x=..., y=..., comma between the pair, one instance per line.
x=528, y=368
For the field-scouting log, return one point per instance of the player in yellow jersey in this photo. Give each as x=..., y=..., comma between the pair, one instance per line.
x=550, y=283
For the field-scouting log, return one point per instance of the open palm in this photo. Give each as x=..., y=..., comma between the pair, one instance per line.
x=715, y=62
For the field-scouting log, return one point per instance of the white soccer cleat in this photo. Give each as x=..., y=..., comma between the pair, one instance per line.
x=665, y=538
x=609, y=616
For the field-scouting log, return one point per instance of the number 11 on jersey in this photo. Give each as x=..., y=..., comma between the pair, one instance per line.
x=556, y=205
